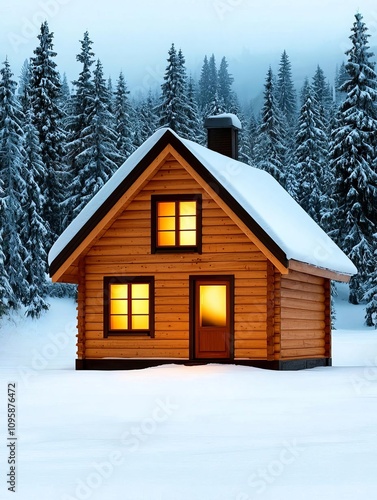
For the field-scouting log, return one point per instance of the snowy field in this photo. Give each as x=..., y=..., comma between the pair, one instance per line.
x=187, y=433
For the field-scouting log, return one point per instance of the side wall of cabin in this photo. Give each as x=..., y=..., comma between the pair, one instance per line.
x=305, y=316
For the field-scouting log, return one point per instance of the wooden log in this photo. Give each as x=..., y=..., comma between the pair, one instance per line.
x=137, y=353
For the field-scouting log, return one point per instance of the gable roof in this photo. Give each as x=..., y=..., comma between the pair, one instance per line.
x=255, y=196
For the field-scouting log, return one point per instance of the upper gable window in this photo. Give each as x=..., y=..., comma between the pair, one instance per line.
x=176, y=225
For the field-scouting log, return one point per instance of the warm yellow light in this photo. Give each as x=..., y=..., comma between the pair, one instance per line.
x=187, y=222
x=140, y=291
x=140, y=306
x=166, y=224
x=119, y=322
x=118, y=291
x=166, y=238
x=212, y=305
x=140, y=322
x=187, y=208
x=166, y=208
x=118, y=306
x=187, y=238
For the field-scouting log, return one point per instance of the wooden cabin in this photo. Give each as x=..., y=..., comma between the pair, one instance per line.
x=187, y=255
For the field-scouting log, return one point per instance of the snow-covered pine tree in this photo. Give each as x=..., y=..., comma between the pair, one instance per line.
x=122, y=111
x=145, y=118
x=64, y=96
x=353, y=152
x=33, y=232
x=209, y=101
x=99, y=157
x=371, y=298
x=225, y=81
x=81, y=103
x=310, y=154
x=173, y=109
x=11, y=164
x=195, y=129
x=47, y=115
x=23, y=89
x=270, y=150
x=341, y=76
x=285, y=92
x=326, y=109
x=5, y=288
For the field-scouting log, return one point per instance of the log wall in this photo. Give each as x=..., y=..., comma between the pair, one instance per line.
x=125, y=249
x=304, y=316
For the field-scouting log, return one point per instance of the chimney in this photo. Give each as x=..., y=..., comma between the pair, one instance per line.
x=222, y=134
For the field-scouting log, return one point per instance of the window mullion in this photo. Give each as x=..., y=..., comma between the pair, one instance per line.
x=129, y=306
x=177, y=224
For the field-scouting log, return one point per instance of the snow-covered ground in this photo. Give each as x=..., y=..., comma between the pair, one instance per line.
x=187, y=433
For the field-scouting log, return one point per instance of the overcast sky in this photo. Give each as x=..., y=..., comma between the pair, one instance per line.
x=135, y=35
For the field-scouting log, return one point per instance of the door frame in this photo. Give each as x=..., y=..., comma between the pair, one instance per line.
x=192, y=310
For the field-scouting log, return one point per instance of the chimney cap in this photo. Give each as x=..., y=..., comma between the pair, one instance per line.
x=224, y=120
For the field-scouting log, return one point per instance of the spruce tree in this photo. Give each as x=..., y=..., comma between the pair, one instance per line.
x=5, y=288
x=209, y=99
x=341, y=78
x=145, y=119
x=173, y=109
x=23, y=89
x=310, y=154
x=99, y=158
x=225, y=81
x=285, y=92
x=12, y=181
x=195, y=129
x=33, y=232
x=204, y=87
x=47, y=115
x=353, y=153
x=81, y=104
x=122, y=110
x=270, y=150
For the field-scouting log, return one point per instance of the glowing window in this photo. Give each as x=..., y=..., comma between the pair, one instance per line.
x=130, y=305
x=213, y=305
x=177, y=224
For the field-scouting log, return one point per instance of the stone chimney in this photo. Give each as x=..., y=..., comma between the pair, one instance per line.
x=222, y=134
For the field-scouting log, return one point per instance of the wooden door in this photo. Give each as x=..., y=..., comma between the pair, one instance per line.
x=212, y=318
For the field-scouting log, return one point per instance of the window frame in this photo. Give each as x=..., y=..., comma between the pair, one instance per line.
x=129, y=280
x=155, y=199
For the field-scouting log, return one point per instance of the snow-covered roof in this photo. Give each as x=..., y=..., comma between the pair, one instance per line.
x=223, y=120
x=256, y=191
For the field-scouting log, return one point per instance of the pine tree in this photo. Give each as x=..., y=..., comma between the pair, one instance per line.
x=122, y=118
x=353, y=152
x=204, y=87
x=47, y=114
x=23, y=90
x=209, y=99
x=5, y=288
x=174, y=109
x=225, y=81
x=310, y=154
x=195, y=129
x=371, y=298
x=270, y=150
x=81, y=104
x=145, y=119
x=341, y=78
x=33, y=232
x=11, y=163
x=285, y=92
x=100, y=158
